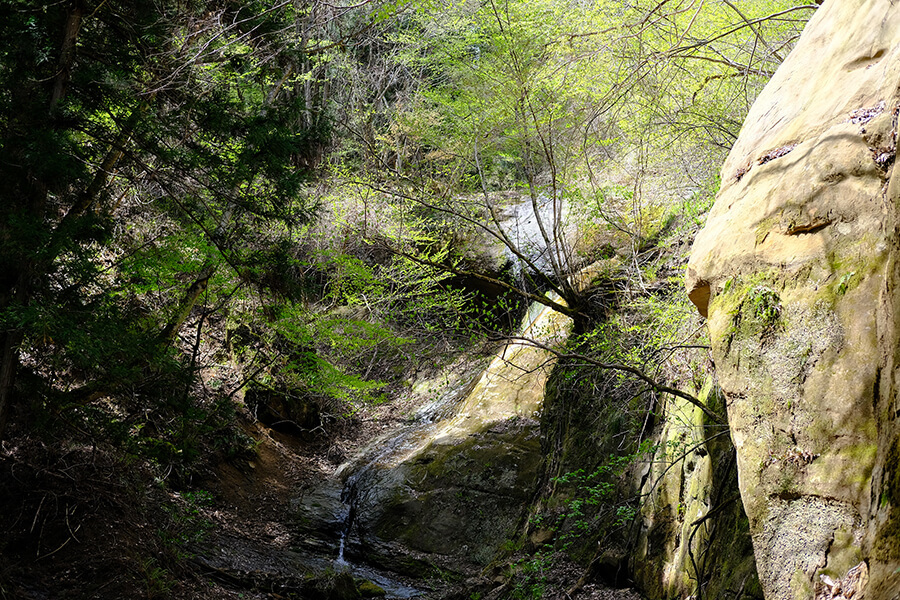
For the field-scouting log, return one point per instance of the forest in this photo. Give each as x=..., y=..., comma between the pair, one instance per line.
x=241, y=240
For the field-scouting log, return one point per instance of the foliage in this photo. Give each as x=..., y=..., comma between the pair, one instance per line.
x=596, y=501
x=604, y=113
x=530, y=576
x=158, y=582
x=187, y=525
x=159, y=168
x=764, y=305
x=145, y=127
x=154, y=180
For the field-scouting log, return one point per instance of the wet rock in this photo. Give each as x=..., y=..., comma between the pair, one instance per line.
x=367, y=589
x=452, y=494
x=321, y=517
x=458, y=501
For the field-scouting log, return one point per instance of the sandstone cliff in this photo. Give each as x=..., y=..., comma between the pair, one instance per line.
x=798, y=270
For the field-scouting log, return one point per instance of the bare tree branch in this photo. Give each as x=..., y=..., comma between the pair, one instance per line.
x=664, y=389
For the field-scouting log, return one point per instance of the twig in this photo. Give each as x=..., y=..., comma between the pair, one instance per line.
x=55, y=551
x=627, y=369
x=37, y=512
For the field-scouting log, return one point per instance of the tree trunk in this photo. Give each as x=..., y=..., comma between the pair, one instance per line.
x=9, y=345
x=9, y=363
x=67, y=53
x=187, y=303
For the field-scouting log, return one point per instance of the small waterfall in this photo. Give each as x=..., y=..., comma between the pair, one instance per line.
x=340, y=563
x=521, y=224
x=391, y=584
x=389, y=448
x=348, y=497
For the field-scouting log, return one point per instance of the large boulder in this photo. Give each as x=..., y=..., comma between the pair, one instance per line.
x=797, y=269
x=452, y=504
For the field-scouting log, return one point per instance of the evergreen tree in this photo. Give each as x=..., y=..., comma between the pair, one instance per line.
x=192, y=115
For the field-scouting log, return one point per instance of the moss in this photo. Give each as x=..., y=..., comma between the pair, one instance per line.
x=482, y=461
x=367, y=589
x=861, y=454
x=462, y=498
x=892, y=474
x=841, y=272
x=728, y=300
x=842, y=282
x=765, y=226
x=729, y=563
x=849, y=267
x=801, y=586
x=887, y=542
x=821, y=430
x=843, y=555
x=335, y=586
x=753, y=305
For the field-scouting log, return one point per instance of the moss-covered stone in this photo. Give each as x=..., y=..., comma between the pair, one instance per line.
x=449, y=494
x=367, y=589
x=334, y=586
x=694, y=529
x=461, y=498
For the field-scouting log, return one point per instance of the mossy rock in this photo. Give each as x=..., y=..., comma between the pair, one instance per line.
x=367, y=589
x=335, y=586
x=455, y=501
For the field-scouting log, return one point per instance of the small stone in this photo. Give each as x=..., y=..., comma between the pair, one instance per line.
x=541, y=537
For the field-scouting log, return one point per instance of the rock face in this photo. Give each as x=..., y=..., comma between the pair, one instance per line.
x=693, y=532
x=455, y=493
x=798, y=272
x=449, y=493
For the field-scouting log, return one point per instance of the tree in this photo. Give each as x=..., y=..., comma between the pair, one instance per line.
x=606, y=112
x=118, y=114
x=547, y=98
